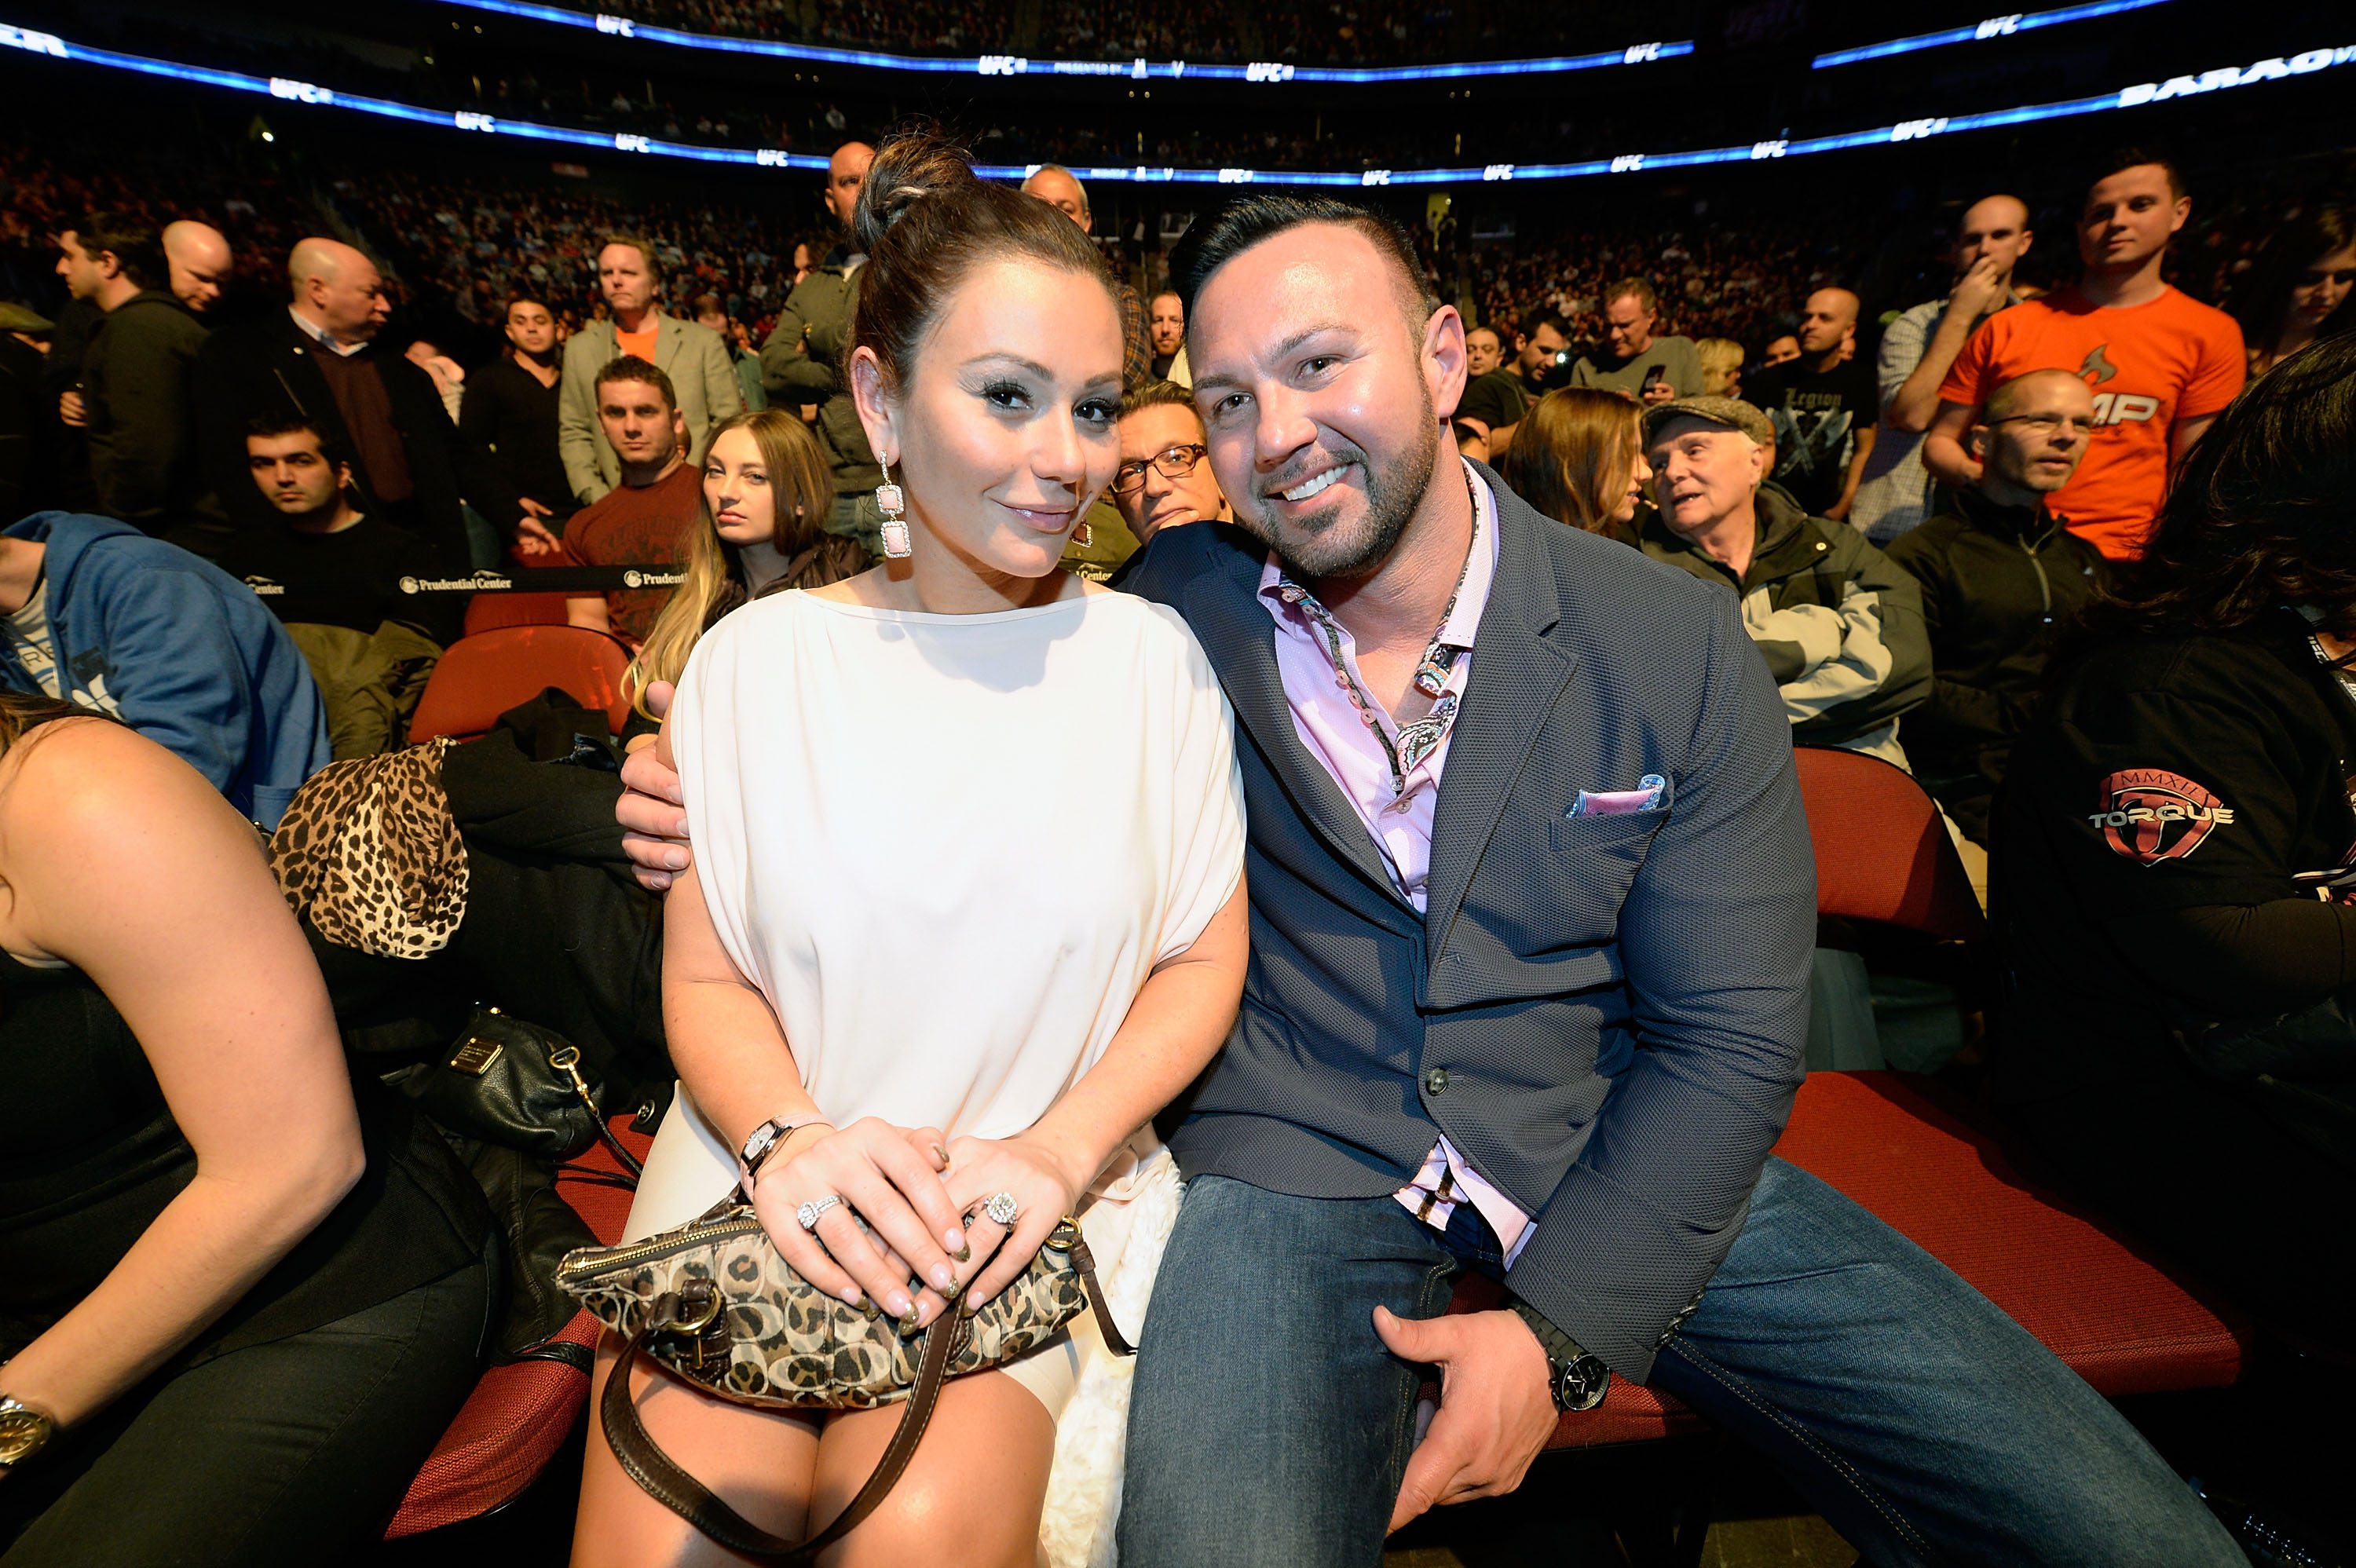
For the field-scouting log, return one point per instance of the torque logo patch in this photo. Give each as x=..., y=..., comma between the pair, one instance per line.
x=2149, y=815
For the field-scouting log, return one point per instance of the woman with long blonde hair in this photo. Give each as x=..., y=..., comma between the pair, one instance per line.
x=766, y=488
x=1578, y=457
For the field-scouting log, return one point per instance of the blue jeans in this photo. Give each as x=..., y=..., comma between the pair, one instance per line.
x=1269, y=1425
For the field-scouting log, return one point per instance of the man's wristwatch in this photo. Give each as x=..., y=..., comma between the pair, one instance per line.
x=1577, y=1380
x=23, y=1431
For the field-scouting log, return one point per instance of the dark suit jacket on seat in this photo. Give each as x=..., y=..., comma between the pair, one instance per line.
x=266, y=367
x=1618, y=1003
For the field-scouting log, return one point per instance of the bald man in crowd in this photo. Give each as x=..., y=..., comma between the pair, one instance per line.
x=1917, y=350
x=1824, y=407
x=2001, y=575
x=1060, y=188
x=320, y=361
x=198, y=256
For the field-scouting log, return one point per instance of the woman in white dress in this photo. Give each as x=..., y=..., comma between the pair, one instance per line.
x=968, y=904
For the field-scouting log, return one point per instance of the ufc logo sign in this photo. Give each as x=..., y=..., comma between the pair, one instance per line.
x=2124, y=408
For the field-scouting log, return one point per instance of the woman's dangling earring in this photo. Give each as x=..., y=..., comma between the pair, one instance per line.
x=892, y=503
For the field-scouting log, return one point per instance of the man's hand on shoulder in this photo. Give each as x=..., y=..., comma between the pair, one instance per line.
x=1497, y=1410
x=654, y=828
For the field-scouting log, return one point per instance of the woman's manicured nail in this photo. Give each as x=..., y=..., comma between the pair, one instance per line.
x=943, y=1277
x=942, y=1155
x=899, y=1306
x=952, y=1240
x=872, y=1311
x=676, y=860
x=964, y=1253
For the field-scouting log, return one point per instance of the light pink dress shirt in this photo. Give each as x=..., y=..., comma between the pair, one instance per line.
x=1397, y=810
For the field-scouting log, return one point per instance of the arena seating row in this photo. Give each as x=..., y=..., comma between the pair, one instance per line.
x=1900, y=1145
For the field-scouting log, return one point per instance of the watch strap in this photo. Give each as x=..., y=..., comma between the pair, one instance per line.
x=764, y=1139
x=1577, y=1379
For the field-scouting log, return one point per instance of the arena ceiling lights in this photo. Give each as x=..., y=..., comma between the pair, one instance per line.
x=1137, y=70
x=1980, y=32
x=2273, y=69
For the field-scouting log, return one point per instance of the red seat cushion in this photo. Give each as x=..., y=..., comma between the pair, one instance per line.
x=480, y=677
x=490, y=612
x=2115, y=1316
x=520, y=1415
x=1882, y=850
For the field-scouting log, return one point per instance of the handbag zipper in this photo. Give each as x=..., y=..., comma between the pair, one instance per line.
x=605, y=1259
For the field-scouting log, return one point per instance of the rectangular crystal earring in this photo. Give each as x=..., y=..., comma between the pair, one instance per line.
x=891, y=503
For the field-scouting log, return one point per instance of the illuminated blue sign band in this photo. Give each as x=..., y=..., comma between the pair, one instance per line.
x=1139, y=69
x=2274, y=68
x=1978, y=32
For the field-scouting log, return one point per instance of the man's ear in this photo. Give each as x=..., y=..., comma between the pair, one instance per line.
x=109, y=265
x=343, y=476
x=1445, y=363
x=1975, y=442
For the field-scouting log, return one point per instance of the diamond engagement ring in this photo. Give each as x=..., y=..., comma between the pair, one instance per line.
x=808, y=1212
x=1001, y=1209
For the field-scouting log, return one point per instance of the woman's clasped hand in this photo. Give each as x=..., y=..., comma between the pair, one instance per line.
x=909, y=1228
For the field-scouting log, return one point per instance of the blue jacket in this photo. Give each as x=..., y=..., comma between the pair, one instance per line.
x=1604, y=1013
x=181, y=652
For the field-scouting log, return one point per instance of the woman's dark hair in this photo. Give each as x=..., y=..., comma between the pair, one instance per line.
x=925, y=220
x=2263, y=513
x=2261, y=300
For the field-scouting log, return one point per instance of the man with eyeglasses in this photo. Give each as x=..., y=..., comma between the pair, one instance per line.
x=2001, y=572
x=1163, y=480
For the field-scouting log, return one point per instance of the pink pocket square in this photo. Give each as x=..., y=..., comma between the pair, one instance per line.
x=1645, y=796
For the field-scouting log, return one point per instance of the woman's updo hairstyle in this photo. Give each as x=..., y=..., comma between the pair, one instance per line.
x=925, y=220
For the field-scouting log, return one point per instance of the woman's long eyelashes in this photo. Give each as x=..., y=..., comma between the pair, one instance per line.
x=1099, y=411
x=1006, y=394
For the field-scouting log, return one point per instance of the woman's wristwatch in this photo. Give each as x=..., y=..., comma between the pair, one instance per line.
x=1576, y=1379
x=24, y=1432
x=764, y=1140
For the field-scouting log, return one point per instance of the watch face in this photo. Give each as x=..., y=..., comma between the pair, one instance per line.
x=22, y=1433
x=1584, y=1383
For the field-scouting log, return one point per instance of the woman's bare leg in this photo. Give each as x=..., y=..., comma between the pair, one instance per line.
x=760, y=1462
x=971, y=1496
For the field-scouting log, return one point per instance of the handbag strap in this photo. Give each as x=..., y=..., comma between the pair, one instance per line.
x=694, y=1501
x=661, y=1478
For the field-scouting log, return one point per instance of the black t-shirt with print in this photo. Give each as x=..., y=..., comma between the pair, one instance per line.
x=1816, y=414
x=2170, y=845
x=347, y=579
x=1497, y=399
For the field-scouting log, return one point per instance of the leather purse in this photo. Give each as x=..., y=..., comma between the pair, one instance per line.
x=715, y=1303
x=519, y=1086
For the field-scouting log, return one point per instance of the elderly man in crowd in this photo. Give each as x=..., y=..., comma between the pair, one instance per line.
x=1841, y=628
x=321, y=361
x=798, y=357
x=693, y=357
x=2001, y=574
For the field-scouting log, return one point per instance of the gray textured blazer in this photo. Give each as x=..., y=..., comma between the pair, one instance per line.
x=701, y=372
x=1605, y=1014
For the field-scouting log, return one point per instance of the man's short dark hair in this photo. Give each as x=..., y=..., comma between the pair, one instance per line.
x=1221, y=236
x=707, y=305
x=270, y=427
x=517, y=299
x=1538, y=318
x=1637, y=289
x=630, y=368
x=2134, y=157
x=1156, y=395
x=137, y=246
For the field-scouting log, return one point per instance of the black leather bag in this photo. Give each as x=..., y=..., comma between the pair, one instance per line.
x=518, y=1085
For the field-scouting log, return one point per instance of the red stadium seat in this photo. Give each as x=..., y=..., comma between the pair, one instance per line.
x=1882, y=850
x=482, y=677
x=490, y=612
x=2119, y=1320
x=520, y=1415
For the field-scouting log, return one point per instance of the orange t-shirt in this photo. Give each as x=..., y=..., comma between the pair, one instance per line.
x=641, y=344
x=2150, y=365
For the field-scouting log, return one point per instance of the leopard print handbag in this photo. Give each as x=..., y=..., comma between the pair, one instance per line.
x=715, y=1303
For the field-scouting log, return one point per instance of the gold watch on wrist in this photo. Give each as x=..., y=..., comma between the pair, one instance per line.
x=24, y=1431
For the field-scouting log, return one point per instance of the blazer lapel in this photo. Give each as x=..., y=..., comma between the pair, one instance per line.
x=666, y=335
x=1224, y=609
x=1518, y=676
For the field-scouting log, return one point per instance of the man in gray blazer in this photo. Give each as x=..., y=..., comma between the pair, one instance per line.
x=1532, y=905
x=693, y=357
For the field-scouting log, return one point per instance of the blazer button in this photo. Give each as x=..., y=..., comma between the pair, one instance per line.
x=1435, y=1082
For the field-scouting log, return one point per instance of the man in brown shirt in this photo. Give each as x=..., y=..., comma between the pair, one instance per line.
x=642, y=521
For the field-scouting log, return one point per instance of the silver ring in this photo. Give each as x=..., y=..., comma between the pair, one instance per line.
x=808, y=1213
x=1001, y=1209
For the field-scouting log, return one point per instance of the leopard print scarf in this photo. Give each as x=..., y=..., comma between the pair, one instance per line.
x=370, y=852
